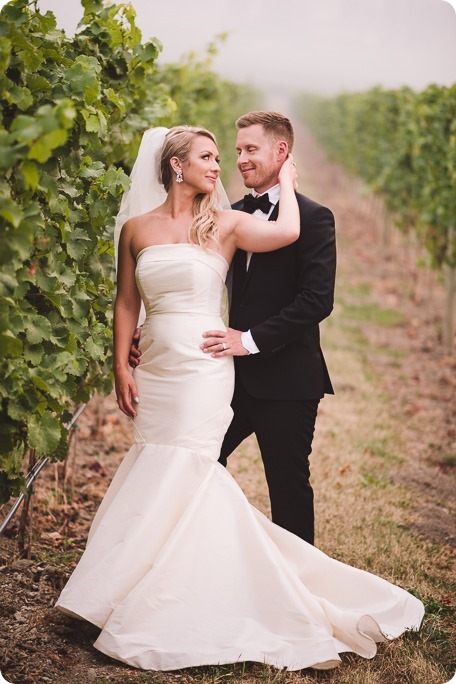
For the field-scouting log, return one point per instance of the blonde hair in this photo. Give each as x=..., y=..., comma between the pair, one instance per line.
x=178, y=142
x=276, y=125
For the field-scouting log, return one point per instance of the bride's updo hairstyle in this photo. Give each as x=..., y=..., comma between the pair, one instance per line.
x=178, y=142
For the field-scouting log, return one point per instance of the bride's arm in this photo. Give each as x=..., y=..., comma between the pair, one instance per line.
x=126, y=310
x=256, y=235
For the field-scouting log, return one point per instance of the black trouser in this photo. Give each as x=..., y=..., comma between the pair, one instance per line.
x=284, y=430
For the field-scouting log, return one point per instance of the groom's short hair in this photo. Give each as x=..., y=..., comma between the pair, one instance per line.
x=274, y=123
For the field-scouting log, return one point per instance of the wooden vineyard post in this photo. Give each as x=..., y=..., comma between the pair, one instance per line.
x=448, y=323
x=23, y=538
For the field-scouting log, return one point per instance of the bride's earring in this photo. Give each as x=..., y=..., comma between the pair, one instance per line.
x=179, y=176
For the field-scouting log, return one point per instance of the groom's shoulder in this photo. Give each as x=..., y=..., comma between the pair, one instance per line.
x=307, y=204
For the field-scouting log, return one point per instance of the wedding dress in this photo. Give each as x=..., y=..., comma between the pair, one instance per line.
x=180, y=570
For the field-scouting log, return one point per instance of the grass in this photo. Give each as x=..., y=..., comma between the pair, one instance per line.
x=373, y=313
x=383, y=448
x=361, y=290
x=66, y=556
x=357, y=304
x=448, y=460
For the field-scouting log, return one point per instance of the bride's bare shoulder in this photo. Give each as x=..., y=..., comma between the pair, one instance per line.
x=137, y=224
x=144, y=219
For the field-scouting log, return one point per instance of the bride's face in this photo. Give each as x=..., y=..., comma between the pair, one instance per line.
x=201, y=169
x=258, y=159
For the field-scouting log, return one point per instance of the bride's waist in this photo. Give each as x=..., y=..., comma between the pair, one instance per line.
x=170, y=322
x=152, y=313
x=182, y=333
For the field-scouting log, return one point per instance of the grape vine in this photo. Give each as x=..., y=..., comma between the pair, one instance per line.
x=403, y=145
x=71, y=118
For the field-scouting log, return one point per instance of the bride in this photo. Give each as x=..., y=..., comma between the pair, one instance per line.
x=179, y=569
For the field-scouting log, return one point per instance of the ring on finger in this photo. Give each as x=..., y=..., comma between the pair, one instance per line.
x=224, y=346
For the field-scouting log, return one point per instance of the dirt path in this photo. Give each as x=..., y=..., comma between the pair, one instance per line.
x=391, y=311
x=382, y=470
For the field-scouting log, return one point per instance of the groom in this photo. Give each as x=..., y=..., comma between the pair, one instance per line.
x=278, y=300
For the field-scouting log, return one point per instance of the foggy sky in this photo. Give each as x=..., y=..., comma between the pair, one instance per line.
x=324, y=46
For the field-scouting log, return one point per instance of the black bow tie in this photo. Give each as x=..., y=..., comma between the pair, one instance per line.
x=252, y=203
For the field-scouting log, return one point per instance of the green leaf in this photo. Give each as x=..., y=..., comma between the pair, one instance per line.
x=8, y=283
x=44, y=146
x=30, y=174
x=77, y=245
x=92, y=123
x=9, y=345
x=66, y=113
x=5, y=53
x=22, y=97
x=38, y=328
x=72, y=343
x=82, y=78
x=9, y=154
x=95, y=349
x=148, y=52
x=46, y=283
x=95, y=170
x=41, y=384
x=37, y=83
x=32, y=58
x=115, y=181
x=113, y=97
x=33, y=355
x=59, y=205
x=10, y=485
x=10, y=211
x=17, y=242
x=43, y=432
x=26, y=128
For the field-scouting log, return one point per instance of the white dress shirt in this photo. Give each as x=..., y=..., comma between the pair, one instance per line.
x=247, y=340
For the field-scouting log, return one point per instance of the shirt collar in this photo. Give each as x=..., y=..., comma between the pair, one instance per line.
x=273, y=193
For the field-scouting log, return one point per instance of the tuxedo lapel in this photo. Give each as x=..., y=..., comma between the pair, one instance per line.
x=274, y=213
x=238, y=273
x=250, y=270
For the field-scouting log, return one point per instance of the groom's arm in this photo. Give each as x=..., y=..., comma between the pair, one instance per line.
x=313, y=302
x=316, y=278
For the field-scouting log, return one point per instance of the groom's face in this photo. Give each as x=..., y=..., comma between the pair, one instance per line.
x=258, y=159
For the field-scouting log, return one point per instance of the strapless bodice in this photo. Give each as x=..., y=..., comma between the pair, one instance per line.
x=180, y=278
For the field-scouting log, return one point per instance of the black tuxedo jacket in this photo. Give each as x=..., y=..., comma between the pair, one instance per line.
x=282, y=298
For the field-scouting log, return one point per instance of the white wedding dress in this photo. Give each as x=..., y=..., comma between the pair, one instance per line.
x=180, y=570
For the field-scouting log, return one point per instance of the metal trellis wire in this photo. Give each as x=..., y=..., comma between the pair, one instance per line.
x=35, y=471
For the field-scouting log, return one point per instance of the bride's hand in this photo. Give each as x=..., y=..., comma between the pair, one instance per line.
x=127, y=393
x=288, y=171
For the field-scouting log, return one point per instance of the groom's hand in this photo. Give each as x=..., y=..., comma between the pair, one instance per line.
x=223, y=343
x=133, y=358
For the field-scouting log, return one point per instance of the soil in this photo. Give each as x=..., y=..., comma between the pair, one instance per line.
x=412, y=369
